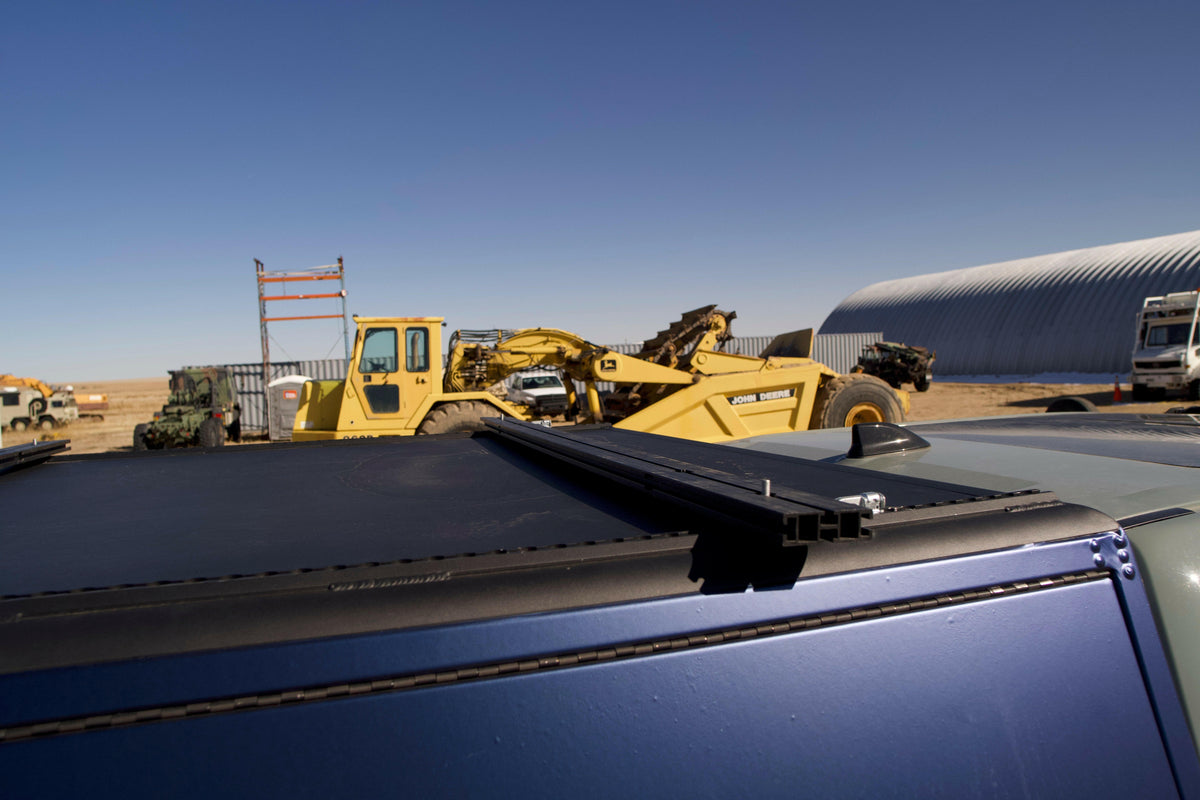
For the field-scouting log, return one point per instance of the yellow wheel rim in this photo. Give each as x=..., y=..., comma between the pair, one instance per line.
x=864, y=412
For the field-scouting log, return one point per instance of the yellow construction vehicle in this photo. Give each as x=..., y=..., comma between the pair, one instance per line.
x=680, y=384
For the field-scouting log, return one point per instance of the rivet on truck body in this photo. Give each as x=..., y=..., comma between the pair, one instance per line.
x=1127, y=570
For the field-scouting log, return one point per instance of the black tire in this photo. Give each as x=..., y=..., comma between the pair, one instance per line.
x=47, y=423
x=850, y=399
x=1193, y=390
x=234, y=431
x=36, y=407
x=465, y=415
x=1140, y=393
x=211, y=433
x=1070, y=404
x=1184, y=410
x=921, y=384
x=19, y=425
x=139, y=436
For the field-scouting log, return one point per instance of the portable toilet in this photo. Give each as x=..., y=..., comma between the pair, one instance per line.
x=284, y=398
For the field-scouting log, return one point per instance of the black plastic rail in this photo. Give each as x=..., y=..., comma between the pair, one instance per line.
x=26, y=455
x=785, y=515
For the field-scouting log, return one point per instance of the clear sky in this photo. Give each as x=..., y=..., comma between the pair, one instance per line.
x=598, y=167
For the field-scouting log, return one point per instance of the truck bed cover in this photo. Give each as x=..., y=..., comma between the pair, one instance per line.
x=531, y=609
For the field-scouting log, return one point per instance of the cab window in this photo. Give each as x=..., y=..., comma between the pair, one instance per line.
x=379, y=351
x=417, y=349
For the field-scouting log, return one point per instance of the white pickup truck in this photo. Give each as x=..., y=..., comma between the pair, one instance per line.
x=542, y=390
x=1166, y=356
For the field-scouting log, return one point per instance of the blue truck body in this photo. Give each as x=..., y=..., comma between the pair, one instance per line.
x=972, y=644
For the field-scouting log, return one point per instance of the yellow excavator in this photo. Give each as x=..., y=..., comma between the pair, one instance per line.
x=680, y=384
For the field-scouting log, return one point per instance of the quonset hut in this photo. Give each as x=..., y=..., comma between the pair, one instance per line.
x=1071, y=312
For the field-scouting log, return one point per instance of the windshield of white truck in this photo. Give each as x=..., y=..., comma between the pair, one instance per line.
x=1168, y=335
x=541, y=382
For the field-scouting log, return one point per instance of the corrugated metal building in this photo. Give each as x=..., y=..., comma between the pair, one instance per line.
x=1059, y=313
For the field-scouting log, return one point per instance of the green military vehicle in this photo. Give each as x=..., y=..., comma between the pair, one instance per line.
x=898, y=364
x=202, y=410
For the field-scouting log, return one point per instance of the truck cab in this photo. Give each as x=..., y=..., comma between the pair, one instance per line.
x=394, y=382
x=1166, y=355
x=382, y=385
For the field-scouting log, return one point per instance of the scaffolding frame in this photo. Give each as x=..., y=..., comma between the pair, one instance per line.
x=330, y=272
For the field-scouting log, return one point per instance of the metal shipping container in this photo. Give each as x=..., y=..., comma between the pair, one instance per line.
x=248, y=378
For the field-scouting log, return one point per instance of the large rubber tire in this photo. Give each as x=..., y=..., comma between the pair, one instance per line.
x=18, y=425
x=1193, y=390
x=921, y=384
x=47, y=423
x=211, y=433
x=1070, y=404
x=139, y=436
x=465, y=415
x=850, y=399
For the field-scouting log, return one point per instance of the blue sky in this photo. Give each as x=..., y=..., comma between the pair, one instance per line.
x=598, y=167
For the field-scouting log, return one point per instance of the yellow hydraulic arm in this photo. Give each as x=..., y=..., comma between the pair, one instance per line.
x=33, y=383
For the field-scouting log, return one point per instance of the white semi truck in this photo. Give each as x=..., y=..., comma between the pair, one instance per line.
x=1166, y=356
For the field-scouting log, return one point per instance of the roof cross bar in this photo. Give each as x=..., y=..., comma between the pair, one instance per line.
x=787, y=516
x=26, y=455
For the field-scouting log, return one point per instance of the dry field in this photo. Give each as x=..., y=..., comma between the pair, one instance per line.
x=136, y=400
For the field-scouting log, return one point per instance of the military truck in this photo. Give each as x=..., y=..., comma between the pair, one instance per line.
x=23, y=407
x=898, y=364
x=202, y=409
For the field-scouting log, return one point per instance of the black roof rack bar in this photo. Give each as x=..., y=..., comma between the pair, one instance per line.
x=26, y=455
x=790, y=517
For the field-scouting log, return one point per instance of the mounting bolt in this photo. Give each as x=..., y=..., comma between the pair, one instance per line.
x=1098, y=560
x=1123, y=555
x=766, y=487
x=1095, y=543
x=1119, y=539
x=1127, y=570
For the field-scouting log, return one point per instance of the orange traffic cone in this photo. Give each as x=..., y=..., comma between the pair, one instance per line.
x=1116, y=390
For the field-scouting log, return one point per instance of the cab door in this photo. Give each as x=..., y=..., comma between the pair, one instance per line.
x=376, y=377
x=418, y=378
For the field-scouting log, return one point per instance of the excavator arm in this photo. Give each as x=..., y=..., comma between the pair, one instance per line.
x=32, y=383
x=473, y=366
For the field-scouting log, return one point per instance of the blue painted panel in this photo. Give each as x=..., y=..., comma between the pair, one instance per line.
x=1034, y=695
x=151, y=682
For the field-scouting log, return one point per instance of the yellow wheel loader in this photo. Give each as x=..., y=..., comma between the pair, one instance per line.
x=681, y=384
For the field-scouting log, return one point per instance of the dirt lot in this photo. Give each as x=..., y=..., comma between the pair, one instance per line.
x=134, y=401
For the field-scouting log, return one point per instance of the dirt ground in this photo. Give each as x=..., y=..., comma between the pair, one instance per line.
x=136, y=400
